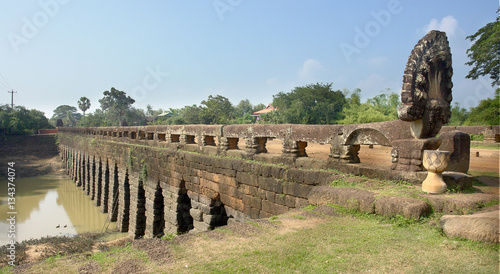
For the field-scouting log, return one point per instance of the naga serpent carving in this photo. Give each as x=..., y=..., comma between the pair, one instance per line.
x=426, y=92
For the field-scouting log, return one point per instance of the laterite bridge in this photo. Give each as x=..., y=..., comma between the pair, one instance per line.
x=157, y=179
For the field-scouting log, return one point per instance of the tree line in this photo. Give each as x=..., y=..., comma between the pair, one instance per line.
x=311, y=104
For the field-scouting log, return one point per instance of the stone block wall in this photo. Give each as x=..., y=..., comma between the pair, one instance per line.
x=158, y=179
x=150, y=191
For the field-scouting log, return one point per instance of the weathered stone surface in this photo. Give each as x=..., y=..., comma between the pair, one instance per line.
x=458, y=180
x=198, y=189
x=479, y=227
x=196, y=214
x=407, y=153
x=297, y=190
x=350, y=198
x=403, y=206
x=426, y=92
x=458, y=204
x=458, y=143
x=273, y=208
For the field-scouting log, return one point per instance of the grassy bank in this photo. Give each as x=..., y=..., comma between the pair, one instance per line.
x=321, y=240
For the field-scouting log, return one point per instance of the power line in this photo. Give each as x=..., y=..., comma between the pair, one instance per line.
x=3, y=86
x=5, y=80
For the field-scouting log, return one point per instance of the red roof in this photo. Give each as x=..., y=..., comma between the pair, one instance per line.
x=268, y=109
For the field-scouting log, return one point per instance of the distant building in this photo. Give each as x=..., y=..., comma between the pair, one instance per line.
x=166, y=114
x=268, y=109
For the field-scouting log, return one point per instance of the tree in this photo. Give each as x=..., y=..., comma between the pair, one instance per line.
x=311, y=104
x=84, y=105
x=380, y=108
x=135, y=116
x=484, y=53
x=273, y=117
x=387, y=103
x=486, y=113
x=243, y=107
x=243, y=110
x=96, y=119
x=191, y=115
x=458, y=115
x=216, y=110
x=68, y=114
x=116, y=103
x=21, y=121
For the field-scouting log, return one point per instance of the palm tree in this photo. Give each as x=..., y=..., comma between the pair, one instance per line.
x=84, y=105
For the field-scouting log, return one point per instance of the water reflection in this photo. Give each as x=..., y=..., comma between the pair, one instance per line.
x=49, y=205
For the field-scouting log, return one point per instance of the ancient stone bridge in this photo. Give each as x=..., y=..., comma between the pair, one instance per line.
x=157, y=179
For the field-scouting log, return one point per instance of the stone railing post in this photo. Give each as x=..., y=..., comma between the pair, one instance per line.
x=345, y=153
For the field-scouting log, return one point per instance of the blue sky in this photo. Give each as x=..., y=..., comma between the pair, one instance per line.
x=175, y=53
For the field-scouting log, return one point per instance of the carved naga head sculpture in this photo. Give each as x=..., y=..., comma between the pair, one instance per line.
x=426, y=93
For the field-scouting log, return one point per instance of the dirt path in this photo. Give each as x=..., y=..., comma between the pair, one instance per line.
x=488, y=160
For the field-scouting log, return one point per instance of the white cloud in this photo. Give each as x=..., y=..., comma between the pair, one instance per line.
x=448, y=24
x=312, y=69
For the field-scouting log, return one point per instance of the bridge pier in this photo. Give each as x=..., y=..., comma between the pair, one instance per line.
x=155, y=216
x=137, y=216
x=114, y=186
x=92, y=177
x=98, y=182
x=123, y=201
x=105, y=187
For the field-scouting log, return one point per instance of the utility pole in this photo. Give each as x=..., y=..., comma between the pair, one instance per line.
x=12, y=98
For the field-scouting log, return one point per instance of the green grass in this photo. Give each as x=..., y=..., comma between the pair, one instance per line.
x=298, y=217
x=476, y=137
x=169, y=236
x=492, y=146
x=380, y=187
x=477, y=173
x=340, y=182
x=353, y=243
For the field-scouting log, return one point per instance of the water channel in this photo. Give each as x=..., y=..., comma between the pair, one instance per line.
x=49, y=206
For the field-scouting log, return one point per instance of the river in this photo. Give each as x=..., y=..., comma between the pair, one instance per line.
x=48, y=206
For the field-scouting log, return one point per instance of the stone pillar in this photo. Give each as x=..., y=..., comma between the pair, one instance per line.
x=137, y=216
x=116, y=175
x=98, y=183
x=150, y=210
x=407, y=153
x=345, y=153
x=79, y=169
x=87, y=175
x=71, y=164
x=458, y=143
x=293, y=149
x=255, y=145
x=123, y=211
x=92, y=178
x=171, y=196
x=105, y=188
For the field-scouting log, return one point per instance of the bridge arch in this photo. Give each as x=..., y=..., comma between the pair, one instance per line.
x=367, y=136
